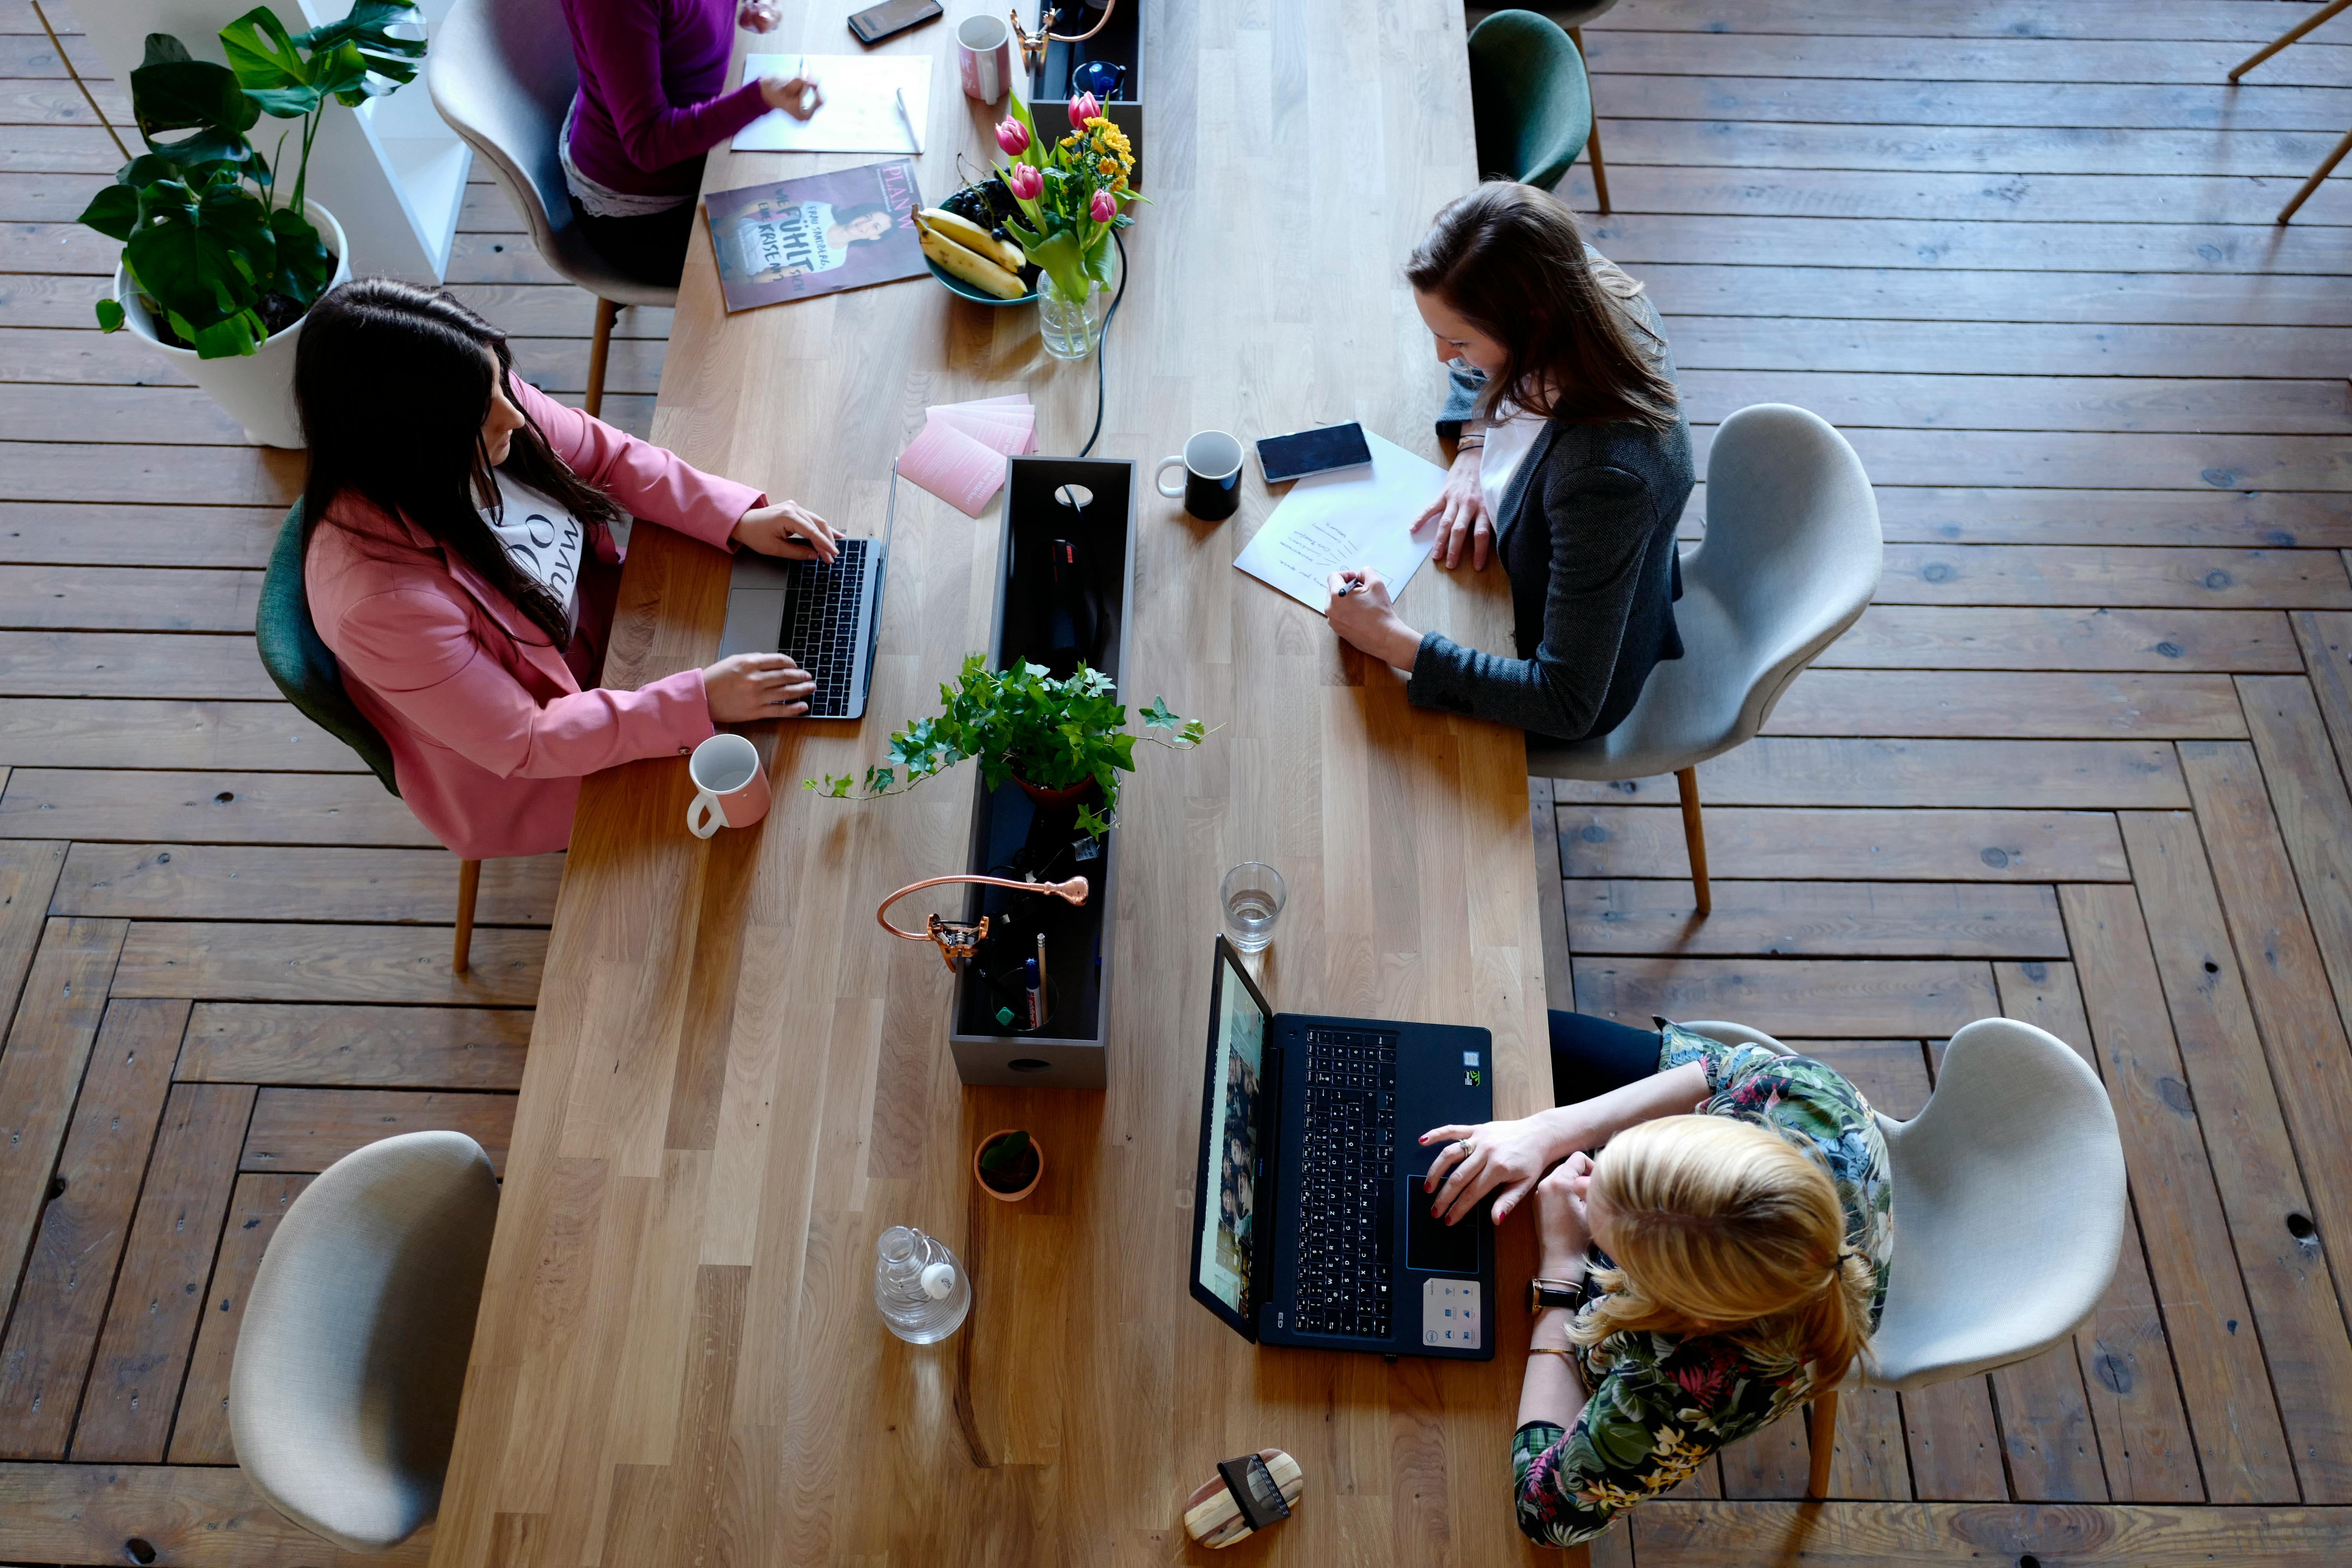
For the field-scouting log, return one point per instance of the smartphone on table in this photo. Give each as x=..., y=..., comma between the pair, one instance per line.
x=876, y=23
x=1316, y=451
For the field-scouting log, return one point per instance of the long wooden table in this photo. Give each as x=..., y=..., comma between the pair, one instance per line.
x=736, y=1081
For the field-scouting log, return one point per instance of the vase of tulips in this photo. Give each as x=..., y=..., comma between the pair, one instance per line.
x=1071, y=193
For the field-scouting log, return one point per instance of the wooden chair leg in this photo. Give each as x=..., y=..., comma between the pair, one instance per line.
x=1694, y=836
x=2283, y=40
x=2317, y=174
x=470, y=882
x=1825, y=1438
x=1592, y=143
x=598, y=349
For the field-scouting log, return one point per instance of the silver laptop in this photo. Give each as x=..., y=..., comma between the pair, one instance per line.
x=827, y=615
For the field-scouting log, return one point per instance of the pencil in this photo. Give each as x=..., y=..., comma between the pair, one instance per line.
x=908, y=120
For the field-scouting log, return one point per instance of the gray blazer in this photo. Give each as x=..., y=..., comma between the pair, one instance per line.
x=1587, y=536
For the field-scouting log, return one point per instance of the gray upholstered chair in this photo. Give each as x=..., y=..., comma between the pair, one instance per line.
x=1790, y=558
x=502, y=74
x=2009, y=1212
x=343, y=1397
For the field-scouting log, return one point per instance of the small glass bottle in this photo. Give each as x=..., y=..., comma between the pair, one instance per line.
x=919, y=1287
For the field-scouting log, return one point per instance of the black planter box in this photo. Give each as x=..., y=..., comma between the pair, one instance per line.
x=1047, y=91
x=1010, y=834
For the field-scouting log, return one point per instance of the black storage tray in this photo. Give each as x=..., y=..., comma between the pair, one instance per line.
x=1067, y=1052
x=1121, y=42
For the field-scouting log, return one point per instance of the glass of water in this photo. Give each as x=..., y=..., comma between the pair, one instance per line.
x=1252, y=895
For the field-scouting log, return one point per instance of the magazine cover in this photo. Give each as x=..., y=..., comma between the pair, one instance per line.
x=795, y=240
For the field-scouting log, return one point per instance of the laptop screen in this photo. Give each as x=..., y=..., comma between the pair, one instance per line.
x=1229, y=1143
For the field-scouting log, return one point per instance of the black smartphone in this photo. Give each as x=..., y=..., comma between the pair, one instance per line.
x=1316, y=451
x=878, y=22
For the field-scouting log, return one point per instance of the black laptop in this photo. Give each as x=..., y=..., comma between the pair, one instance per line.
x=827, y=614
x=1313, y=1228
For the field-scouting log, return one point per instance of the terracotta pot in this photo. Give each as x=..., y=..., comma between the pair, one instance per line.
x=1034, y=1147
x=257, y=390
x=1055, y=799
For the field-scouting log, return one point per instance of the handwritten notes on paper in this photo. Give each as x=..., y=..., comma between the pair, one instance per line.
x=1357, y=518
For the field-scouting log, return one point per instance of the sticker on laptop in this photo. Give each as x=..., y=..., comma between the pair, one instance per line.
x=1449, y=1313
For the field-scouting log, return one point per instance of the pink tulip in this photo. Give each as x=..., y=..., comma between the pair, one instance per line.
x=1024, y=181
x=1103, y=208
x=1013, y=137
x=1082, y=108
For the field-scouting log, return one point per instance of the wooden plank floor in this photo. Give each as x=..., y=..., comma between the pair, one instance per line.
x=2083, y=763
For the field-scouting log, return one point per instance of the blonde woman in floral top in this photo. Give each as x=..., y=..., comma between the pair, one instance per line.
x=1722, y=1256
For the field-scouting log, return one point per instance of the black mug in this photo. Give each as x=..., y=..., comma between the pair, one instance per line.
x=1212, y=476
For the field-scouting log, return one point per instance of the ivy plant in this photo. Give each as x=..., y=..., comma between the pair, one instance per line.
x=204, y=238
x=1022, y=723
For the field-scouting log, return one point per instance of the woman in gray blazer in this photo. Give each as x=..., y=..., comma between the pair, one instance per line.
x=1573, y=466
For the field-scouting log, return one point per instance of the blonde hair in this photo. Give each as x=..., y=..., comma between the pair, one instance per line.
x=1724, y=1228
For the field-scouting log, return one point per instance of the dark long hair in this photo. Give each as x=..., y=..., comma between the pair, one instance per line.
x=393, y=386
x=1510, y=259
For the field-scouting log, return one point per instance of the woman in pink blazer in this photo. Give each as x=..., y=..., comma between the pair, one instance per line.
x=460, y=561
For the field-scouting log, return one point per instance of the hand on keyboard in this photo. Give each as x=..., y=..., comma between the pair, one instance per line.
x=746, y=686
x=787, y=529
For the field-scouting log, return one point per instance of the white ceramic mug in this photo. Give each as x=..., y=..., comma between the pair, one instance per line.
x=730, y=787
x=983, y=57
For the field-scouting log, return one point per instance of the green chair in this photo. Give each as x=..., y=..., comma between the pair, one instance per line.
x=1530, y=101
x=305, y=670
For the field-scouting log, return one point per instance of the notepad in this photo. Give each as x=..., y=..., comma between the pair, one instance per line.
x=861, y=107
x=959, y=455
x=1355, y=518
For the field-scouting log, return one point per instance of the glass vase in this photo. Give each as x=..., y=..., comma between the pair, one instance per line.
x=1071, y=329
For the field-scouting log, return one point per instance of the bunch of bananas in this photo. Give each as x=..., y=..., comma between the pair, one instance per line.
x=966, y=251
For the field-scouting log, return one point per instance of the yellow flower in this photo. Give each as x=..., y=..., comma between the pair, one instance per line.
x=1109, y=166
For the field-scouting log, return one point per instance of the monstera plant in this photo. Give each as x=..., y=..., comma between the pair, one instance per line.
x=221, y=258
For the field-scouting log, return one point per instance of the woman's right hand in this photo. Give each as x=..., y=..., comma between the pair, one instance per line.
x=799, y=96
x=1512, y=1155
x=1460, y=510
x=747, y=686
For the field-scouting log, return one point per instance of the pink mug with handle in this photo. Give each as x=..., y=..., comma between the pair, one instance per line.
x=730, y=787
x=984, y=56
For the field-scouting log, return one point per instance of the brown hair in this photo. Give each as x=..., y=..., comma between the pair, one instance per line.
x=1725, y=1227
x=1510, y=259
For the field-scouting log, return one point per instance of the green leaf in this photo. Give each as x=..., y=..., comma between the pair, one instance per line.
x=203, y=250
x=163, y=49
x=113, y=212
x=190, y=95
x=1092, y=825
x=262, y=54
x=1159, y=716
x=109, y=316
x=303, y=264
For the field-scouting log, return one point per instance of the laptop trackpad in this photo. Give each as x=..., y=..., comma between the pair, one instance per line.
x=755, y=621
x=1433, y=1245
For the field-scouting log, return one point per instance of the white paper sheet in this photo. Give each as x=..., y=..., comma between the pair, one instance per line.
x=1355, y=518
x=861, y=109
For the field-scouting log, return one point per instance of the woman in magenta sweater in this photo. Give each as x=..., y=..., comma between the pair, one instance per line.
x=650, y=106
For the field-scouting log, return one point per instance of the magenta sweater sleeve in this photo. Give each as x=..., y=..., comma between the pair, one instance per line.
x=624, y=46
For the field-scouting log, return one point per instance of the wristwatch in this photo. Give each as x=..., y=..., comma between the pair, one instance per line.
x=1542, y=1293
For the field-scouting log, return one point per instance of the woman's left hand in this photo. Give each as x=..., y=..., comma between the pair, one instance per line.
x=787, y=529
x=1361, y=614
x=1560, y=1222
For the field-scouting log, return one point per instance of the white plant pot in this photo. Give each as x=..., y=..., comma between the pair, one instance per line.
x=257, y=390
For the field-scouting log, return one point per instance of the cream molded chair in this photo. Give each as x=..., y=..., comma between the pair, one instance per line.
x=343, y=1395
x=502, y=74
x=2009, y=1212
x=1790, y=559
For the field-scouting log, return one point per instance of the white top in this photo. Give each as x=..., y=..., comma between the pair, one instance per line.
x=542, y=539
x=1508, y=440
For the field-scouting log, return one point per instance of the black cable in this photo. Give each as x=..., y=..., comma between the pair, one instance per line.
x=1102, y=347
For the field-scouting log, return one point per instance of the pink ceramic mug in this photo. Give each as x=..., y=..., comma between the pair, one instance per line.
x=730, y=786
x=984, y=56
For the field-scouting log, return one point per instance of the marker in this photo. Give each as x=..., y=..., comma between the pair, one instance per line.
x=1041, y=972
x=901, y=96
x=1035, y=982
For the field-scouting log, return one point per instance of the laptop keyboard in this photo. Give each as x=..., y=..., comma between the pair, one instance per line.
x=1348, y=1208
x=820, y=628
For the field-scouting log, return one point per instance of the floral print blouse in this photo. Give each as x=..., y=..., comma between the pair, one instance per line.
x=1660, y=1403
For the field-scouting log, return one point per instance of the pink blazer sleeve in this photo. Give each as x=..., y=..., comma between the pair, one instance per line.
x=415, y=649
x=649, y=481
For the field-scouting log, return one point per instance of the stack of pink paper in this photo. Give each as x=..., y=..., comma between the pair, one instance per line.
x=959, y=457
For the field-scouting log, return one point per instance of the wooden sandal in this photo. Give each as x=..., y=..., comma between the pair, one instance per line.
x=1221, y=1511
